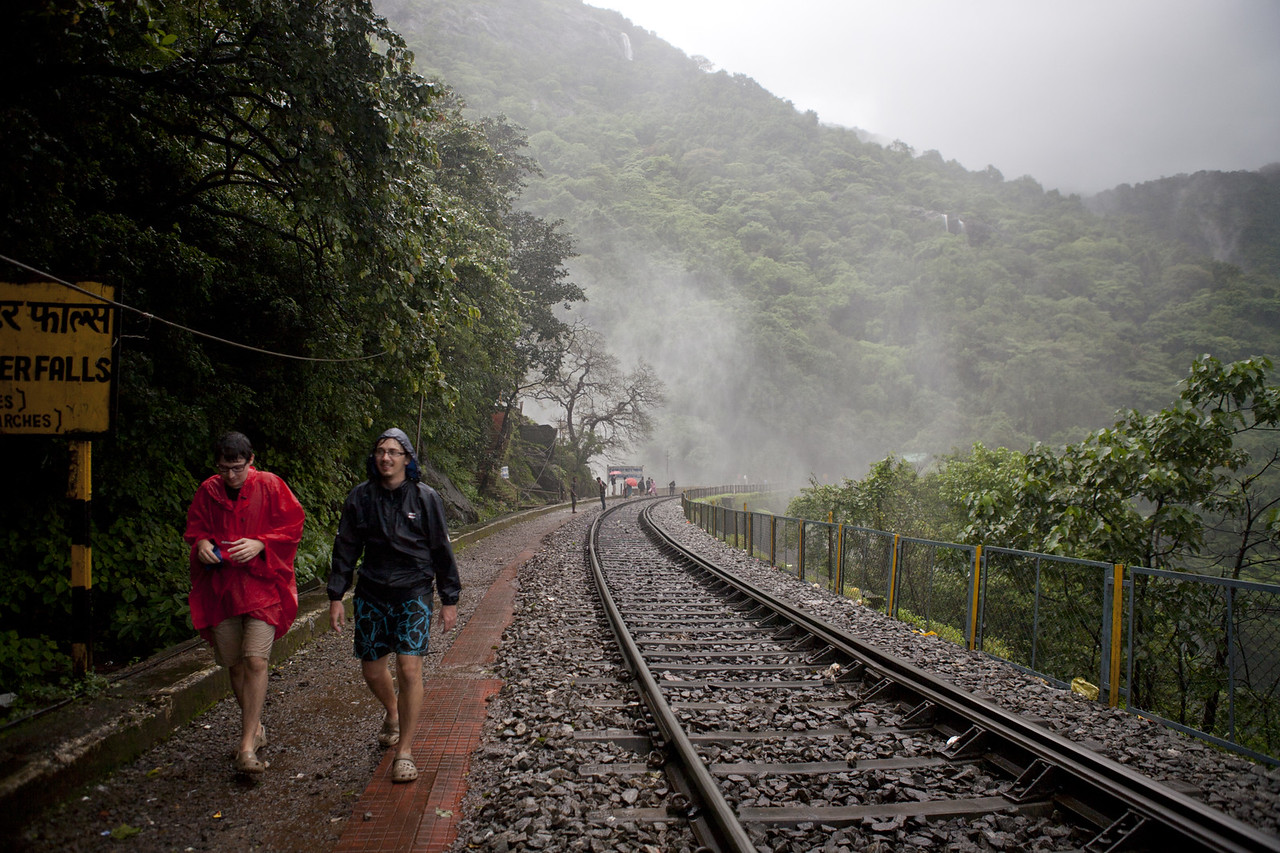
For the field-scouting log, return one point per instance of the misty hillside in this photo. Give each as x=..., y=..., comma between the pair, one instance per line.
x=1230, y=216
x=814, y=301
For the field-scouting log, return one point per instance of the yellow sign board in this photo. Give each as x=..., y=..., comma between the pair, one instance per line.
x=58, y=358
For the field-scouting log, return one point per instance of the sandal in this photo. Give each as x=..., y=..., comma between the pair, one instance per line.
x=403, y=770
x=390, y=734
x=260, y=739
x=249, y=762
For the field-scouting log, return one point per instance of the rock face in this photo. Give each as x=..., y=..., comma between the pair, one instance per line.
x=537, y=443
x=457, y=507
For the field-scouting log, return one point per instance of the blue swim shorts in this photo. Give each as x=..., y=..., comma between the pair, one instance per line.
x=382, y=629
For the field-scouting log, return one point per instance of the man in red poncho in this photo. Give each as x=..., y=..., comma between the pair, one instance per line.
x=243, y=527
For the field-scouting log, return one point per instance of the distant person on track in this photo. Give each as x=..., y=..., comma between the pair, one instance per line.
x=398, y=523
x=600, y=484
x=243, y=527
x=671, y=487
x=573, y=494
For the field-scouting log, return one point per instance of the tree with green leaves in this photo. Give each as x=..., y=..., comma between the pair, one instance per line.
x=865, y=502
x=1192, y=486
x=979, y=489
x=311, y=240
x=893, y=497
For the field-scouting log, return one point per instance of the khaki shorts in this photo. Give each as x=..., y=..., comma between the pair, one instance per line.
x=242, y=637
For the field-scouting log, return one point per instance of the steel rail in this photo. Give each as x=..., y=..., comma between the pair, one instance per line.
x=1147, y=808
x=727, y=832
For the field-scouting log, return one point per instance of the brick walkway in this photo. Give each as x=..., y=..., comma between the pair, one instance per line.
x=422, y=816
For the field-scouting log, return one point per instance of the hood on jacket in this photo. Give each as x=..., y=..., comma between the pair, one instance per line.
x=411, y=471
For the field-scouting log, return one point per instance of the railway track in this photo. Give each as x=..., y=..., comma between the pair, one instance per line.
x=769, y=720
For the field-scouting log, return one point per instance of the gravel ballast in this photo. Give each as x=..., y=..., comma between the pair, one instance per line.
x=550, y=655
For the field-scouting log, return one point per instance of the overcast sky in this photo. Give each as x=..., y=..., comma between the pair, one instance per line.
x=1080, y=94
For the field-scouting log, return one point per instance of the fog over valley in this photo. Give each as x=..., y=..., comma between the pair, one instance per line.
x=815, y=297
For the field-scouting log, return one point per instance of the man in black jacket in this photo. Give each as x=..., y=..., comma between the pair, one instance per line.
x=398, y=523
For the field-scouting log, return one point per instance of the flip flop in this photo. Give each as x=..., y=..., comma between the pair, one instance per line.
x=249, y=762
x=403, y=770
x=390, y=734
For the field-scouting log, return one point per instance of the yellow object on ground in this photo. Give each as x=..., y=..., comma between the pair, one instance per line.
x=1084, y=688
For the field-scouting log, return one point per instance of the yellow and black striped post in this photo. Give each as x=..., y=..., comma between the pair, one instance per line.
x=79, y=492
x=773, y=540
x=973, y=597
x=891, y=599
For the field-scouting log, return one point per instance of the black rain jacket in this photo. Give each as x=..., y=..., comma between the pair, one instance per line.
x=405, y=541
x=401, y=532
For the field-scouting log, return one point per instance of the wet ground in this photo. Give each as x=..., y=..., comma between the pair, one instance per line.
x=322, y=726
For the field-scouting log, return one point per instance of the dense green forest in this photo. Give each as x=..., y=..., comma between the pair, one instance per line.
x=311, y=243
x=815, y=301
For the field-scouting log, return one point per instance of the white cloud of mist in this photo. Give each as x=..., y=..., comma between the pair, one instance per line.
x=1081, y=96
x=688, y=341
x=715, y=428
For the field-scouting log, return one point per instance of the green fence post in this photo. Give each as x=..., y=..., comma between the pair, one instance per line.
x=840, y=559
x=800, y=553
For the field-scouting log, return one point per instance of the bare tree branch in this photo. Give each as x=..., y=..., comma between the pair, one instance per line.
x=603, y=408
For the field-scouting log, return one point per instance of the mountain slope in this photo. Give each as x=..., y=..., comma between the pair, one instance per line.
x=1229, y=216
x=814, y=301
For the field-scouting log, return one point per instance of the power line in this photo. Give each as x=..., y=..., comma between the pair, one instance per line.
x=174, y=325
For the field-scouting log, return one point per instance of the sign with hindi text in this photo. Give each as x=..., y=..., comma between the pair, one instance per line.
x=59, y=350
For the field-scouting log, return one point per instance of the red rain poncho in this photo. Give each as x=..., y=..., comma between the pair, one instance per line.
x=264, y=587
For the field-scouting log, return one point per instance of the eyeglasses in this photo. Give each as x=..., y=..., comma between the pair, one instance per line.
x=393, y=454
x=232, y=469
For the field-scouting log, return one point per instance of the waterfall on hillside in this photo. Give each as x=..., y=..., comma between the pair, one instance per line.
x=626, y=46
x=946, y=223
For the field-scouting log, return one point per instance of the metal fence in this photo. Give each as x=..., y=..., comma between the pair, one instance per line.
x=1204, y=657
x=1198, y=653
x=1047, y=614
